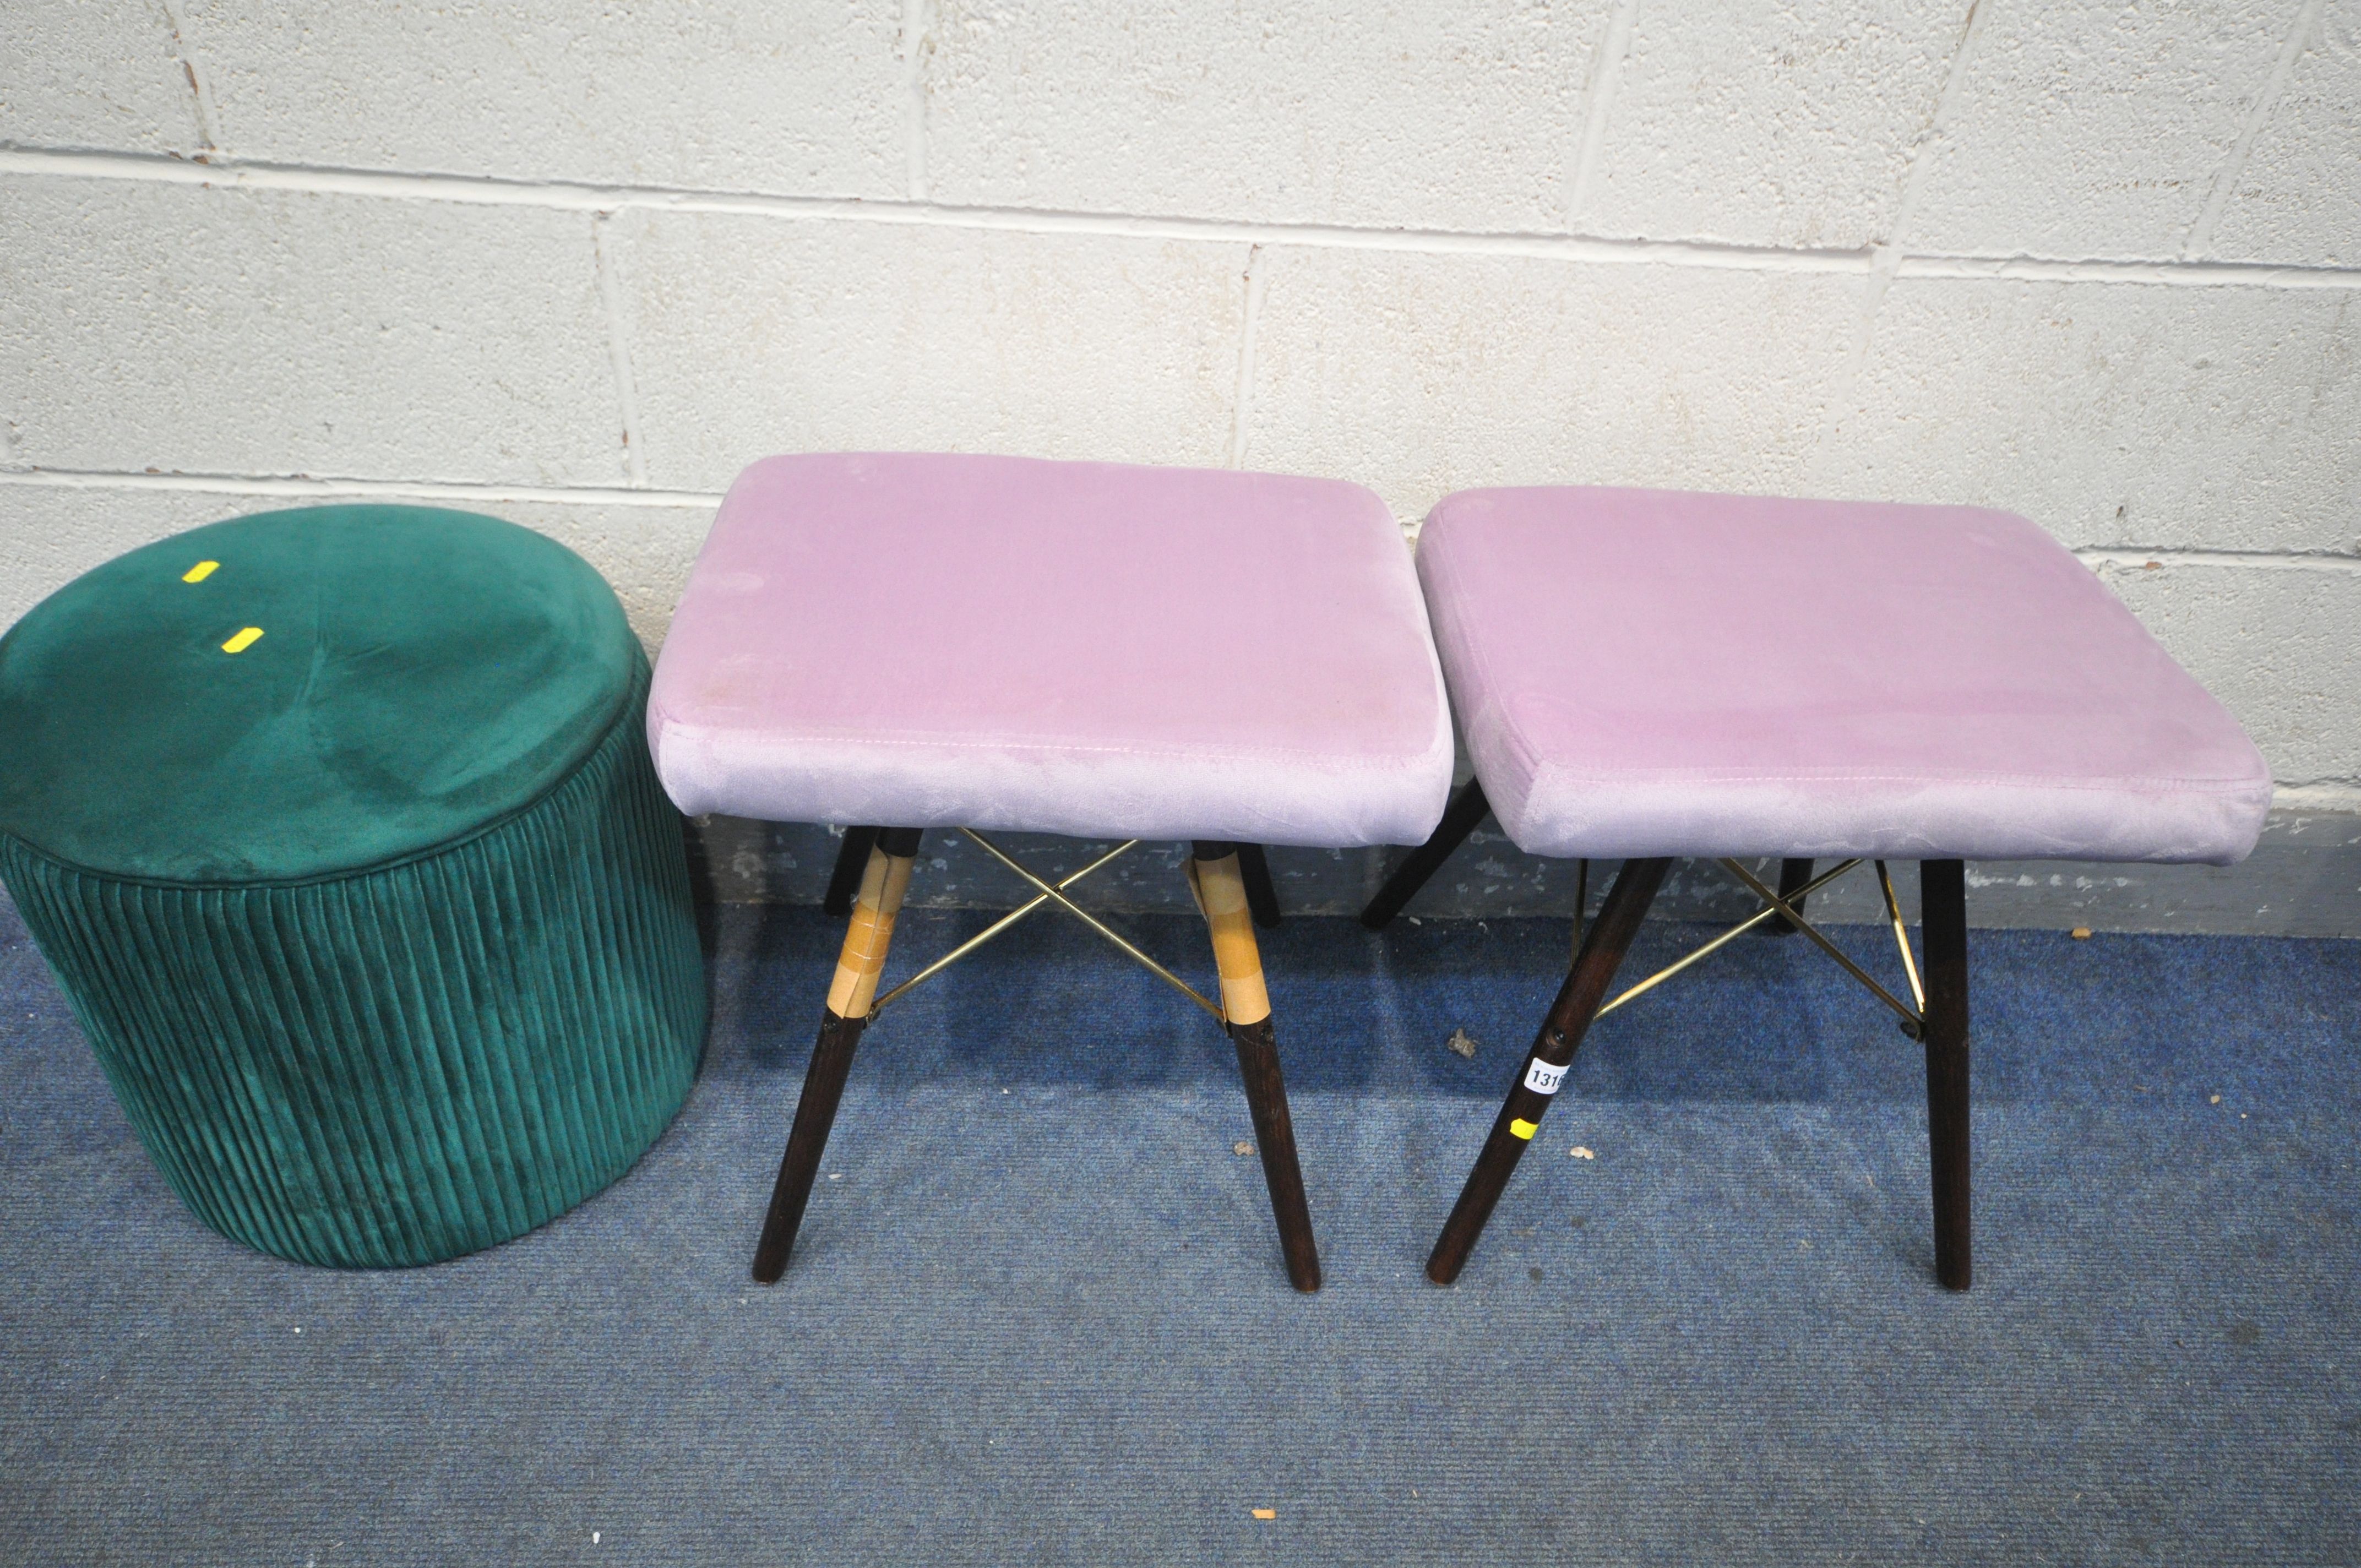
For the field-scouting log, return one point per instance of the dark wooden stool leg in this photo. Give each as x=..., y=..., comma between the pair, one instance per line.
x=1943, y=894
x=1546, y=1064
x=1246, y=1011
x=863, y=959
x=1792, y=877
x=851, y=859
x=1467, y=808
x=1262, y=896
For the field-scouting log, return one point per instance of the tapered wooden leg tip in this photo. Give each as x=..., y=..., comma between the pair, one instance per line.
x=767, y=1271
x=1375, y=921
x=1436, y=1274
x=1957, y=1281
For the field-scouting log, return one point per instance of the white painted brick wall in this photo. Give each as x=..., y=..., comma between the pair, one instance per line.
x=94, y=74
x=1421, y=375
x=145, y=324
x=1060, y=346
x=2117, y=414
x=1787, y=125
x=800, y=95
x=2295, y=198
x=576, y=263
x=1466, y=115
x=2094, y=127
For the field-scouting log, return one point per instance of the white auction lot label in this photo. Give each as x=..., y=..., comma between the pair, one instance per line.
x=1542, y=1078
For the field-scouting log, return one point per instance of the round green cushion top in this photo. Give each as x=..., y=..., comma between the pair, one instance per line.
x=304, y=693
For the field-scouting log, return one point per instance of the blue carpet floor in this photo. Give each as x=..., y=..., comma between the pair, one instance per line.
x=1038, y=1314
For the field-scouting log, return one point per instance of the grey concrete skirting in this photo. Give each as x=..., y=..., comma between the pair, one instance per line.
x=2303, y=879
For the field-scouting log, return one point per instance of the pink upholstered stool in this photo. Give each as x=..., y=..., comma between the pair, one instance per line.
x=918, y=641
x=1643, y=674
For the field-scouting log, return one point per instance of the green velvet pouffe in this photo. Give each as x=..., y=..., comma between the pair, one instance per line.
x=338, y=828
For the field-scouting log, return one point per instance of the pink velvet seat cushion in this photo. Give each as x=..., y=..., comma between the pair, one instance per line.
x=1645, y=673
x=924, y=641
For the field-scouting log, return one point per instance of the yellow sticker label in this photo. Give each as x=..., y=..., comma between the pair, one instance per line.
x=242, y=640
x=1265, y=1513
x=200, y=572
x=1523, y=1128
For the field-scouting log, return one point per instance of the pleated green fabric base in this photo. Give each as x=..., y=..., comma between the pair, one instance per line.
x=409, y=1063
